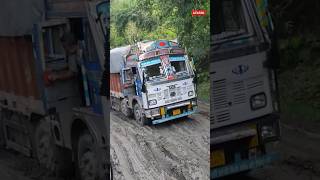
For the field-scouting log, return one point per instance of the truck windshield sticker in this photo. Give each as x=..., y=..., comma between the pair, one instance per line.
x=177, y=58
x=149, y=62
x=167, y=69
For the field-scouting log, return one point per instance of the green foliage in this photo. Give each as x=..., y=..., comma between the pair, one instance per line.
x=297, y=25
x=204, y=86
x=136, y=20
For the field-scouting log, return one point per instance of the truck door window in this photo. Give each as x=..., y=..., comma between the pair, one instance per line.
x=228, y=18
x=128, y=76
x=52, y=44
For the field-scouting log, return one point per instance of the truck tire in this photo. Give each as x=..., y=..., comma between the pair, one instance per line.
x=125, y=109
x=48, y=154
x=87, y=164
x=138, y=115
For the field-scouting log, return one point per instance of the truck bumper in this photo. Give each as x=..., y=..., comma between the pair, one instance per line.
x=243, y=165
x=158, y=121
x=172, y=111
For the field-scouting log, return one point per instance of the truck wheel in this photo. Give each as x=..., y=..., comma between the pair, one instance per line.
x=138, y=116
x=47, y=153
x=87, y=162
x=125, y=109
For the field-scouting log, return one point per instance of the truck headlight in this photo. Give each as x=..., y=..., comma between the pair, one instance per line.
x=258, y=101
x=190, y=93
x=269, y=130
x=155, y=112
x=152, y=102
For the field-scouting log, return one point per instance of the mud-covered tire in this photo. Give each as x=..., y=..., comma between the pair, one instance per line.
x=125, y=109
x=47, y=153
x=138, y=115
x=87, y=164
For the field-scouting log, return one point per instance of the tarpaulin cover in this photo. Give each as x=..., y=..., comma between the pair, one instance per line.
x=17, y=17
x=117, y=58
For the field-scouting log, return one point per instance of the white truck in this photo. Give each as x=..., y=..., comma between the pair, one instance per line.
x=244, y=96
x=153, y=81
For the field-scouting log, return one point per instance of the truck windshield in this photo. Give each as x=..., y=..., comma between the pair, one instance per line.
x=228, y=19
x=153, y=69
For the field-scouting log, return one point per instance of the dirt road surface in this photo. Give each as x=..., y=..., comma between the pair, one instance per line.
x=299, y=158
x=14, y=166
x=178, y=150
x=175, y=150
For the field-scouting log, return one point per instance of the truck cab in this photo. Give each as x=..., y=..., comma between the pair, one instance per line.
x=244, y=97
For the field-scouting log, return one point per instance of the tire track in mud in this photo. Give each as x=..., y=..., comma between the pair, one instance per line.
x=174, y=150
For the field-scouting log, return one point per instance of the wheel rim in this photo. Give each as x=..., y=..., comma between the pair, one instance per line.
x=87, y=166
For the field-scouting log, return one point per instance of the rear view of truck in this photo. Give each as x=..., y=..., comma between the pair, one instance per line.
x=244, y=102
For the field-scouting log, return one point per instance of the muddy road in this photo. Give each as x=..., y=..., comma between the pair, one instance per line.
x=174, y=150
x=299, y=158
x=178, y=150
x=15, y=166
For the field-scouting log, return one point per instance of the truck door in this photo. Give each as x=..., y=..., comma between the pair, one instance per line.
x=128, y=81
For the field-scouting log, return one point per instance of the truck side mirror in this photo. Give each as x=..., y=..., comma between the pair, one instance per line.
x=144, y=88
x=273, y=55
x=195, y=78
x=134, y=70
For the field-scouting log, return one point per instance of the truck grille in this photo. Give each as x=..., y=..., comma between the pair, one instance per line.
x=220, y=109
x=225, y=96
x=238, y=92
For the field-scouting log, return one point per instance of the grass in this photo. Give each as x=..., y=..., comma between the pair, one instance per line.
x=204, y=91
x=299, y=111
x=300, y=94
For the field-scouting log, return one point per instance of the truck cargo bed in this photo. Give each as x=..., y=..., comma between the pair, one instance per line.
x=115, y=85
x=19, y=86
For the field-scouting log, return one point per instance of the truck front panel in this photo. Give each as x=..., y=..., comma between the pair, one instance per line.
x=170, y=92
x=242, y=147
x=241, y=90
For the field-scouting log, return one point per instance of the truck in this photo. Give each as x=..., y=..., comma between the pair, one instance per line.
x=244, y=111
x=153, y=81
x=63, y=123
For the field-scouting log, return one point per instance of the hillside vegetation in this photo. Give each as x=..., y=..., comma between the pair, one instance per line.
x=298, y=26
x=136, y=20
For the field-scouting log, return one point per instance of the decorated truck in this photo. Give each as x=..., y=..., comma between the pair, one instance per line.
x=154, y=81
x=244, y=97
x=52, y=58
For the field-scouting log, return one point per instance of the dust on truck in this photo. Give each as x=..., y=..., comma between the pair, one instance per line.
x=60, y=123
x=244, y=97
x=152, y=81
